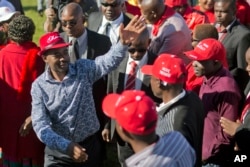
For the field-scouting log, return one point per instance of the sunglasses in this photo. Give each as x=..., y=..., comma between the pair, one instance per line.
x=71, y=23
x=112, y=5
x=133, y=50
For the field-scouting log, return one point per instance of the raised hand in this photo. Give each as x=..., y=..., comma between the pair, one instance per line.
x=132, y=30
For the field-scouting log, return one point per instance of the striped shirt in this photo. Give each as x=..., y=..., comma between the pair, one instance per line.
x=64, y=111
x=171, y=150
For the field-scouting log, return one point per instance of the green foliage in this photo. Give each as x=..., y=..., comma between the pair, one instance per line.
x=30, y=10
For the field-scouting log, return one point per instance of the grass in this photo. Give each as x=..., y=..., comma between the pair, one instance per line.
x=30, y=10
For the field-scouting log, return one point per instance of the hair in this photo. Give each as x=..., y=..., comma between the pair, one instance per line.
x=21, y=29
x=232, y=3
x=204, y=31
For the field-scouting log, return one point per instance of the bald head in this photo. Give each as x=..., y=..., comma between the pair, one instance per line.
x=72, y=9
x=152, y=10
x=72, y=20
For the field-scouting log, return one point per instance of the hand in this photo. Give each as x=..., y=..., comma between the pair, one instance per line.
x=106, y=135
x=132, y=30
x=77, y=152
x=229, y=126
x=26, y=127
x=50, y=13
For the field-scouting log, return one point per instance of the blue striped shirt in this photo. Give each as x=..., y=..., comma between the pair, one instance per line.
x=172, y=150
x=64, y=111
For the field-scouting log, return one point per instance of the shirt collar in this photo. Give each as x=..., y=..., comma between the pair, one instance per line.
x=82, y=38
x=114, y=23
x=48, y=76
x=211, y=80
x=227, y=28
x=141, y=62
x=164, y=106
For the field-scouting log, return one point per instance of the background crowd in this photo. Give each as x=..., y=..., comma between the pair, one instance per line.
x=164, y=82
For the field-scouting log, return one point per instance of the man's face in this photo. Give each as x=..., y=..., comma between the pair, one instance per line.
x=203, y=68
x=138, y=49
x=58, y=60
x=155, y=86
x=206, y=4
x=224, y=13
x=248, y=61
x=72, y=24
x=111, y=9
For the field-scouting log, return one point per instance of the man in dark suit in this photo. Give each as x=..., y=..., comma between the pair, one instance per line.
x=234, y=36
x=108, y=20
x=118, y=82
x=85, y=44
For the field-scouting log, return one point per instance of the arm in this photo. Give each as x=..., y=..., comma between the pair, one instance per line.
x=41, y=122
x=227, y=107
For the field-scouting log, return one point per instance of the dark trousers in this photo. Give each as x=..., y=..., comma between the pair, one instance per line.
x=54, y=158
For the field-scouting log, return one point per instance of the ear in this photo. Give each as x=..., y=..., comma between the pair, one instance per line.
x=44, y=58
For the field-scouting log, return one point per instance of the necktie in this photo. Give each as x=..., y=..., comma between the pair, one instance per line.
x=107, y=29
x=130, y=84
x=75, y=50
x=222, y=34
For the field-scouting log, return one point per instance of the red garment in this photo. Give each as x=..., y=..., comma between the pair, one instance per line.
x=243, y=12
x=246, y=108
x=193, y=83
x=194, y=17
x=209, y=13
x=167, y=13
x=134, y=10
x=20, y=65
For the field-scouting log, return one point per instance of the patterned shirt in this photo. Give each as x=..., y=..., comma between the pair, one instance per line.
x=64, y=111
x=171, y=150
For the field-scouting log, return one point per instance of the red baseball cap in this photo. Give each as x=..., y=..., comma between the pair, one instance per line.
x=51, y=40
x=133, y=110
x=168, y=68
x=209, y=49
x=173, y=3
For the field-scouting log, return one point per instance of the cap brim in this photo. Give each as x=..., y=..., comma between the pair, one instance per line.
x=54, y=47
x=8, y=16
x=108, y=105
x=193, y=55
x=147, y=69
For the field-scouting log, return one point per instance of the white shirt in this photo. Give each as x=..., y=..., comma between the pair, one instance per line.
x=114, y=29
x=83, y=45
x=163, y=106
x=139, y=74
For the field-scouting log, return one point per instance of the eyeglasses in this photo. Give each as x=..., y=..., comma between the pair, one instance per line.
x=112, y=5
x=133, y=50
x=71, y=23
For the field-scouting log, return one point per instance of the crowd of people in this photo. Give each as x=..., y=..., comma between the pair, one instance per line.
x=165, y=82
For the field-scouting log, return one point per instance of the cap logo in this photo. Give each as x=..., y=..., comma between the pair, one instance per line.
x=165, y=72
x=202, y=46
x=52, y=38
